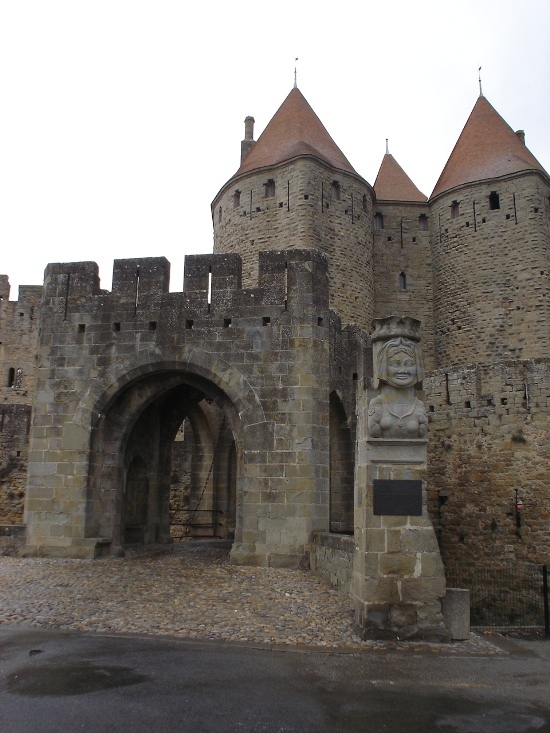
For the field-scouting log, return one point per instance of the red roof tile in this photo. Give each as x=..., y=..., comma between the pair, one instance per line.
x=393, y=184
x=486, y=148
x=294, y=130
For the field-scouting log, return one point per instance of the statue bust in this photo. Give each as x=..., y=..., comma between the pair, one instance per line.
x=398, y=366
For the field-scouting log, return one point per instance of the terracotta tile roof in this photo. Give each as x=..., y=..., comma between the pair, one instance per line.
x=294, y=130
x=393, y=184
x=487, y=148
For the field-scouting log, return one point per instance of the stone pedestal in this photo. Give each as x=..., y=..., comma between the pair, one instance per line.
x=398, y=576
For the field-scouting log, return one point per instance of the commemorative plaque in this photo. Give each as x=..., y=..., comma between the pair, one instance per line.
x=399, y=498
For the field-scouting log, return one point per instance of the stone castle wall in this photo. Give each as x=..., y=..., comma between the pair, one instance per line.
x=402, y=267
x=491, y=271
x=306, y=209
x=490, y=436
x=19, y=322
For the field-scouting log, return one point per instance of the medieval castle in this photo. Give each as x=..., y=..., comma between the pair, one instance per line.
x=230, y=409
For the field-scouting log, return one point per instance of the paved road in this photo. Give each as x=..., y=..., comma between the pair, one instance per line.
x=53, y=680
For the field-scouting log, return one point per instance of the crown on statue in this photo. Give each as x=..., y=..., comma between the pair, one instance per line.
x=396, y=326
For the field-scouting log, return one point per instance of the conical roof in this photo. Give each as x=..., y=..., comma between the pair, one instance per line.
x=486, y=148
x=393, y=184
x=294, y=130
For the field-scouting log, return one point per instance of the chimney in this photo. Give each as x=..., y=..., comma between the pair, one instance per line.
x=521, y=135
x=248, y=143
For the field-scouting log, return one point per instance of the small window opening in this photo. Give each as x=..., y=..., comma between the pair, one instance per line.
x=18, y=454
x=390, y=239
x=21, y=314
x=455, y=210
x=220, y=214
x=467, y=404
x=414, y=240
x=281, y=204
x=189, y=324
x=507, y=217
x=365, y=203
x=431, y=408
x=378, y=222
x=355, y=376
x=11, y=377
x=81, y=328
x=503, y=400
x=423, y=223
x=335, y=191
x=116, y=326
x=269, y=188
x=266, y=320
x=536, y=209
x=152, y=325
x=467, y=223
x=236, y=199
x=306, y=196
x=402, y=281
x=226, y=322
x=320, y=321
x=483, y=220
x=494, y=201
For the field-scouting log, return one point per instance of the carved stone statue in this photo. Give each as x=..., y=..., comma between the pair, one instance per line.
x=398, y=366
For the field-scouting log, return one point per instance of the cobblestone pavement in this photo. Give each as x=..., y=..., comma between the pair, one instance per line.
x=190, y=590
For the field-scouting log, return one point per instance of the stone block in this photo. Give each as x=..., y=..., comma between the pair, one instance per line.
x=455, y=607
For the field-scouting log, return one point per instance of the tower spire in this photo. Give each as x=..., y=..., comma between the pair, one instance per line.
x=295, y=74
x=387, y=147
x=479, y=79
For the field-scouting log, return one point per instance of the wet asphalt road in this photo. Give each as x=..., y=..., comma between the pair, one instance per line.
x=53, y=681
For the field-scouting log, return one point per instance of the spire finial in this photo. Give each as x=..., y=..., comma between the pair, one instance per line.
x=387, y=147
x=295, y=82
x=480, y=89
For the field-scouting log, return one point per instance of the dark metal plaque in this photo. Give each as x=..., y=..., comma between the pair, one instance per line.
x=397, y=498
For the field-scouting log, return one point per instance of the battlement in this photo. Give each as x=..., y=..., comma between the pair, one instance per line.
x=211, y=282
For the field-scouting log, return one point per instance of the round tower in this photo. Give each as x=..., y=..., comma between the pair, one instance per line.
x=490, y=233
x=295, y=189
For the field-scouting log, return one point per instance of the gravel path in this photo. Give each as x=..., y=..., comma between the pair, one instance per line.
x=188, y=591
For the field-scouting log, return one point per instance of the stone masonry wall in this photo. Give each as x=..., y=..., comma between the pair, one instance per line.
x=491, y=271
x=304, y=213
x=402, y=247
x=490, y=436
x=19, y=322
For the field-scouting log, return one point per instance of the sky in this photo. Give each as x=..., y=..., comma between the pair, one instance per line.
x=120, y=120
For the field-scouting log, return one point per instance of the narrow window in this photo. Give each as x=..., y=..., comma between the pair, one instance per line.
x=236, y=199
x=378, y=222
x=11, y=377
x=220, y=214
x=269, y=188
x=365, y=202
x=152, y=325
x=116, y=326
x=402, y=281
x=455, y=209
x=423, y=223
x=494, y=200
x=335, y=191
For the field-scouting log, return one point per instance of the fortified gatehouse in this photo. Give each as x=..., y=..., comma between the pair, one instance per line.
x=262, y=374
x=239, y=408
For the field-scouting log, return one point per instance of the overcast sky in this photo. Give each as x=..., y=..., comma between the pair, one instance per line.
x=120, y=120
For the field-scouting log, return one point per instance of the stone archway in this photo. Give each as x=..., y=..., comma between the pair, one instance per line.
x=341, y=468
x=137, y=428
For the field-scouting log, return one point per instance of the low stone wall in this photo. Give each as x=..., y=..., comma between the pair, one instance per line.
x=332, y=559
x=12, y=537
